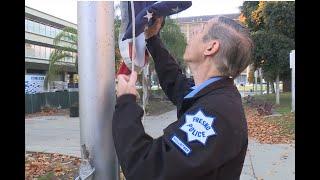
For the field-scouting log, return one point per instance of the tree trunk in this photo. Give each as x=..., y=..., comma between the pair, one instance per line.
x=277, y=90
x=255, y=82
x=286, y=86
x=260, y=77
x=272, y=87
x=253, y=87
x=267, y=87
x=145, y=87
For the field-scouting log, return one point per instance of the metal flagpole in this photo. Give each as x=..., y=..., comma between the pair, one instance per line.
x=133, y=17
x=96, y=89
x=133, y=20
x=293, y=72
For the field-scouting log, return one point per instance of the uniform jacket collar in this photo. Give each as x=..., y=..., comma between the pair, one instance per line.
x=223, y=82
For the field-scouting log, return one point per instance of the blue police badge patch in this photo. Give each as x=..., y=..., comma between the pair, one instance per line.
x=198, y=127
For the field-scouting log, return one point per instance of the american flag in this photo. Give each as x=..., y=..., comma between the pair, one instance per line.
x=145, y=11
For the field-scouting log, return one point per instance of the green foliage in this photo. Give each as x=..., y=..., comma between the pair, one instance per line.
x=70, y=34
x=273, y=31
x=279, y=17
x=117, y=23
x=174, y=40
x=246, y=9
x=54, y=66
x=285, y=99
x=62, y=50
x=271, y=52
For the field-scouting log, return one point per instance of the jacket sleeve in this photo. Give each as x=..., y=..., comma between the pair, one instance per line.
x=143, y=158
x=172, y=81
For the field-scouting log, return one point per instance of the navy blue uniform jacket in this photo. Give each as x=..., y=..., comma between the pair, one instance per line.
x=207, y=141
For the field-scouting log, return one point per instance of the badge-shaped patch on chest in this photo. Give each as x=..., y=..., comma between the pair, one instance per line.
x=198, y=127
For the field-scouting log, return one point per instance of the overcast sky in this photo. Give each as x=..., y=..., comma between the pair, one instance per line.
x=67, y=9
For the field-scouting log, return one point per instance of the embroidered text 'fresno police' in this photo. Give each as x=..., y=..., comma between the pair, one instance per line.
x=198, y=127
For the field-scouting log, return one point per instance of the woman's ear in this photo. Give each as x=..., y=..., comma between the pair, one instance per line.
x=212, y=48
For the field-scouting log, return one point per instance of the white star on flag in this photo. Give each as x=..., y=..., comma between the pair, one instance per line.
x=198, y=127
x=149, y=15
x=175, y=9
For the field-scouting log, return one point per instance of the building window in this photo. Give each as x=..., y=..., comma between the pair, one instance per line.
x=63, y=38
x=42, y=52
x=42, y=29
x=54, y=32
x=68, y=37
x=48, y=31
x=51, y=50
x=69, y=59
x=36, y=28
x=29, y=50
x=58, y=31
x=25, y=25
x=74, y=57
x=37, y=51
x=29, y=26
x=51, y=32
x=48, y=52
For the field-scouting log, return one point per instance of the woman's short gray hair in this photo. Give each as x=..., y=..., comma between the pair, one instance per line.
x=235, y=50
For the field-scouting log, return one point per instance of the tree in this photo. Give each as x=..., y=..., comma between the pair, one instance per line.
x=273, y=50
x=62, y=50
x=174, y=40
x=251, y=74
x=273, y=30
x=247, y=8
x=279, y=17
x=117, y=23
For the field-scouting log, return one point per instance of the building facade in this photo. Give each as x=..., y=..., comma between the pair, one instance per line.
x=187, y=25
x=40, y=31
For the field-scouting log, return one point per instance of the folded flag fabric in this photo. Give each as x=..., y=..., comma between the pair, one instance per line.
x=154, y=9
x=145, y=11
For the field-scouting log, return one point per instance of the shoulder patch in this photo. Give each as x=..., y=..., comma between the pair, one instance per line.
x=198, y=127
x=180, y=144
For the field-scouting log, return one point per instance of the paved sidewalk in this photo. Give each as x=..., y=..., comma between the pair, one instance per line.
x=61, y=134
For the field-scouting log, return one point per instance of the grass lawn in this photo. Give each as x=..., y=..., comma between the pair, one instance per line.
x=286, y=121
x=248, y=87
x=285, y=101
